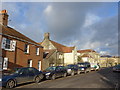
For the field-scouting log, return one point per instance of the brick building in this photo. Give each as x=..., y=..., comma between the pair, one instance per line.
x=17, y=49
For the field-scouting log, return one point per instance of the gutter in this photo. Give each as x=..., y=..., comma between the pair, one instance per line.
x=21, y=39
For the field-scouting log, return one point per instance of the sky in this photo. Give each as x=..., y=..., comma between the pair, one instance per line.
x=86, y=25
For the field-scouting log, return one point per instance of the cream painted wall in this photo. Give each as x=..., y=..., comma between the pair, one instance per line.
x=47, y=45
x=68, y=58
x=85, y=59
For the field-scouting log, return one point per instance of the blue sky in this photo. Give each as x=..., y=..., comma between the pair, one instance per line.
x=88, y=25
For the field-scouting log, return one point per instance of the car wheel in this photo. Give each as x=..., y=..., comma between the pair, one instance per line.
x=65, y=74
x=78, y=72
x=10, y=84
x=72, y=74
x=53, y=77
x=89, y=70
x=85, y=72
x=37, y=79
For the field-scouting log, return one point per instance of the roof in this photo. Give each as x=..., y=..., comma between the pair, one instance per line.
x=62, y=48
x=86, y=50
x=86, y=55
x=106, y=56
x=8, y=31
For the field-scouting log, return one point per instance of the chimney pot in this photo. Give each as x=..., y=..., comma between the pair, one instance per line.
x=4, y=17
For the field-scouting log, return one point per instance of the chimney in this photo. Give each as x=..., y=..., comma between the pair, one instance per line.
x=46, y=36
x=4, y=17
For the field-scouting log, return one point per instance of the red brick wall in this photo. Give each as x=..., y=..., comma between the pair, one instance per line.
x=18, y=58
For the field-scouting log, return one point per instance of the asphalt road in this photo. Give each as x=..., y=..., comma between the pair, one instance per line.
x=103, y=78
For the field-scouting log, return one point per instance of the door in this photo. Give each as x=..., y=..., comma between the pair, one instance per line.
x=5, y=63
x=22, y=76
x=31, y=74
x=59, y=71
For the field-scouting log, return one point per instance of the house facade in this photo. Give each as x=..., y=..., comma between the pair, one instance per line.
x=62, y=55
x=89, y=55
x=108, y=61
x=17, y=49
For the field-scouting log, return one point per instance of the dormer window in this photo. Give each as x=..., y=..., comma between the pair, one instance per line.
x=26, y=49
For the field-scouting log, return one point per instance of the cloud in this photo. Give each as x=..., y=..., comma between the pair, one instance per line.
x=91, y=19
x=85, y=25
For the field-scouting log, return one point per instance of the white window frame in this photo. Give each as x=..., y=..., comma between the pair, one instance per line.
x=39, y=65
x=28, y=47
x=30, y=65
x=37, y=51
x=12, y=44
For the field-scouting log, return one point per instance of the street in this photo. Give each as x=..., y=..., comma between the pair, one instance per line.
x=103, y=78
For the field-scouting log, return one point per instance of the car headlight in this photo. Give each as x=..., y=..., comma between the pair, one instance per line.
x=47, y=74
x=0, y=79
x=82, y=68
x=68, y=70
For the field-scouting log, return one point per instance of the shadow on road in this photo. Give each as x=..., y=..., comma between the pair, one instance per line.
x=110, y=77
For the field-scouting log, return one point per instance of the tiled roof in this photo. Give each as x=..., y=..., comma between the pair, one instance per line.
x=12, y=32
x=86, y=55
x=62, y=48
x=87, y=50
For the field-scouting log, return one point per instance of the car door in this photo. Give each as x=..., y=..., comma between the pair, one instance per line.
x=31, y=74
x=58, y=71
x=22, y=76
x=75, y=68
x=63, y=70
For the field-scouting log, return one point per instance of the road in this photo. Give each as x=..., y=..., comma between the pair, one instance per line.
x=103, y=78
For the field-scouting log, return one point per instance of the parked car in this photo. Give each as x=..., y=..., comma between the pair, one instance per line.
x=21, y=75
x=84, y=67
x=116, y=68
x=94, y=66
x=72, y=69
x=55, y=71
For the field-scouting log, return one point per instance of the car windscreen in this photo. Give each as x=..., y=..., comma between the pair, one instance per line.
x=81, y=65
x=50, y=69
x=118, y=66
x=70, y=66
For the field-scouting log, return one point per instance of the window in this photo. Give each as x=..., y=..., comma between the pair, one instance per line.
x=26, y=49
x=39, y=65
x=29, y=63
x=37, y=51
x=8, y=44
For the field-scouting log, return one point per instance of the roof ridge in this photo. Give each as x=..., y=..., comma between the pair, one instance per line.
x=13, y=32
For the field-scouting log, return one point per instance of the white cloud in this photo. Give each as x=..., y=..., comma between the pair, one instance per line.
x=104, y=53
x=91, y=19
x=48, y=9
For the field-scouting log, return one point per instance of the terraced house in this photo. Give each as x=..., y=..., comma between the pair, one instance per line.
x=17, y=49
x=89, y=55
x=57, y=54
